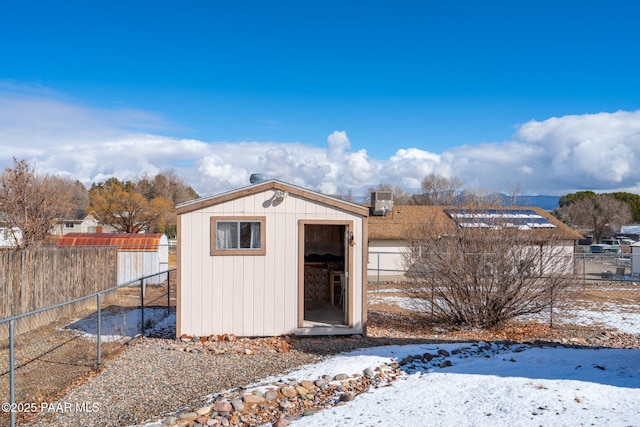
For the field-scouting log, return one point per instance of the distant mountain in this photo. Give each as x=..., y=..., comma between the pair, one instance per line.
x=547, y=203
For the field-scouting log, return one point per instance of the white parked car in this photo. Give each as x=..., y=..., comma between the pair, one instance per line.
x=606, y=246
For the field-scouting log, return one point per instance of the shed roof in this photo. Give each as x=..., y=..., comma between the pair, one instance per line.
x=397, y=224
x=124, y=241
x=204, y=202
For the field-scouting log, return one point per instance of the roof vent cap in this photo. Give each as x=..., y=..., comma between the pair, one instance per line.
x=257, y=178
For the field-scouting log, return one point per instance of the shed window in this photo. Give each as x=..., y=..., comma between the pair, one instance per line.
x=237, y=236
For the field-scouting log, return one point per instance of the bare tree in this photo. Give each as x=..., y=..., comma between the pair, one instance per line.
x=79, y=195
x=485, y=274
x=166, y=185
x=601, y=213
x=438, y=190
x=30, y=202
x=347, y=195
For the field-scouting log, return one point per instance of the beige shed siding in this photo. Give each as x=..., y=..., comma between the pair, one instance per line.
x=252, y=295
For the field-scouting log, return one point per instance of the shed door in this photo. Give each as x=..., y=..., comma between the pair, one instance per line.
x=325, y=291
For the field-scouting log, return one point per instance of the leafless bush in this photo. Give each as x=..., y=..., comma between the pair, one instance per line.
x=482, y=276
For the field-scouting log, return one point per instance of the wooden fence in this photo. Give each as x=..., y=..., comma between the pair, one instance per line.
x=34, y=279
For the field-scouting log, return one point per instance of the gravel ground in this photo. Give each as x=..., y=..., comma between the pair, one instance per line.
x=148, y=379
x=156, y=376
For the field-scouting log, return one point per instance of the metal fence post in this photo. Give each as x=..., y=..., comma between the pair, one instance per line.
x=141, y=305
x=378, y=271
x=168, y=293
x=551, y=302
x=12, y=378
x=99, y=330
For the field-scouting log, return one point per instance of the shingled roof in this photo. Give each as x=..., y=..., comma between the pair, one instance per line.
x=398, y=223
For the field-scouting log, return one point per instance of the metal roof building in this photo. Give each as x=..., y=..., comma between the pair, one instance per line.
x=138, y=254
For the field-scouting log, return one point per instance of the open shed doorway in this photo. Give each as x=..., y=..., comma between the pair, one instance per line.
x=325, y=292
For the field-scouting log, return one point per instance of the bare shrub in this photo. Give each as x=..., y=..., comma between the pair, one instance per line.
x=485, y=274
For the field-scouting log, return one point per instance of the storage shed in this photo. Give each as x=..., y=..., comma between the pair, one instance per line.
x=271, y=259
x=138, y=254
x=635, y=261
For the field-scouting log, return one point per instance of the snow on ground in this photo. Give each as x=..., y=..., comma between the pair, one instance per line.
x=608, y=315
x=119, y=324
x=521, y=386
x=406, y=303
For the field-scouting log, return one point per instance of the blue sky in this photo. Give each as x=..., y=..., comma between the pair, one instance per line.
x=334, y=96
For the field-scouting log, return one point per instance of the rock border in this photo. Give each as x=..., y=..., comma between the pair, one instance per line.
x=277, y=404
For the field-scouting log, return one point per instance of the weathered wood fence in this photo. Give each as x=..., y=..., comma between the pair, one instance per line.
x=35, y=279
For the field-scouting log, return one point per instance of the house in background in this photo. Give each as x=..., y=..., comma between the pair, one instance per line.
x=271, y=259
x=8, y=236
x=138, y=254
x=630, y=231
x=390, y=229
x=81, y=221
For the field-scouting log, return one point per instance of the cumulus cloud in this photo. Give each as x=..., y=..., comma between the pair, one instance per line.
x=591, y=151
x=553, y=156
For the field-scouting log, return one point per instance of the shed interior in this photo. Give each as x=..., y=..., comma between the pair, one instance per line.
x=325, y=284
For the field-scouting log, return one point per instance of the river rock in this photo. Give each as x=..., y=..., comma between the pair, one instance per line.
x=270, y=395
x=321, y=382
x=190, y=416
x=252, y=399
x=288, y=391
x=237, y=404
x=302, y=391
x=222, y=407
x=203, y=411
x=309, y=385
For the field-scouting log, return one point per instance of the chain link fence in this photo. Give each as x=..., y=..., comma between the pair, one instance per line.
x=606, y=294
x=73, y=342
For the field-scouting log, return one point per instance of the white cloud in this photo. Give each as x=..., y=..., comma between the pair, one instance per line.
x=553, y=156
x=594, y=151
x=338, y=142
x=558, y=155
